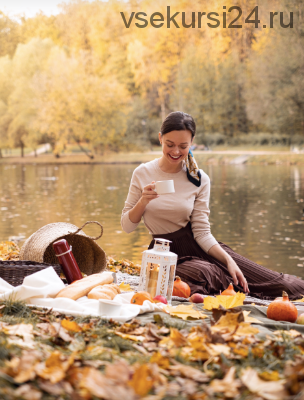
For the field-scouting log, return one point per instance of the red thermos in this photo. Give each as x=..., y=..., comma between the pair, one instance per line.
x=67, y=260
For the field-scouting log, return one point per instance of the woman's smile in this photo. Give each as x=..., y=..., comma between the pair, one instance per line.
x=175, y=158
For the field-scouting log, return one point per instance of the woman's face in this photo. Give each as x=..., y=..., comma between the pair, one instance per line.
x=176, y=145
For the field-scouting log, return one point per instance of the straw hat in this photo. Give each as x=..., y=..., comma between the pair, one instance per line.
x=90, y=257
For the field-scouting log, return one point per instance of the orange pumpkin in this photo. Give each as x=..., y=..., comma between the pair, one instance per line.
x=229, y=291
x=180, y=288
x=140, y=297
x=282, y=310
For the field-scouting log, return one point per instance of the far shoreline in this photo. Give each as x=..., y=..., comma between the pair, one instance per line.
x=216, y=157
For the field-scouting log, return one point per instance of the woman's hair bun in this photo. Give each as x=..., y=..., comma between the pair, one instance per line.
x=178, y=121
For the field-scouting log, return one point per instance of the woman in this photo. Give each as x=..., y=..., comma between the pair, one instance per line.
x=206, y=265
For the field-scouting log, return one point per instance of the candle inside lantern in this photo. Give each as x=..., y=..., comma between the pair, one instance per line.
x=152, y=278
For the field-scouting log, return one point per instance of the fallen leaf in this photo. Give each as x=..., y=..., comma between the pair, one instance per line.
x=57, y=389
x=189, y=372
x=217, y=349
x=233, y=323
x=225, y=301
x=9, y=251
x=118, y=371
x=23, y=330
x=130, y=337
x=251, y=320
x=94, y=382
x=142, y=381
x=229, y=385
x=241, y=351
x=125, y=287
x=160, y=360
x=177, y=338
x=185, y=312
x=27, y=392
x=70, y=325
x=299, y=300
x=61, y=332
x=268, y=390
x=269, y=375
x=230, y=320
x=23, y=368
x=55, y=367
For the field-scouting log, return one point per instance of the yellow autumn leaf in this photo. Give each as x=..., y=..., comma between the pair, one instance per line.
x=225, y=301
x=231, y=323
x=251, y=320
x=135, y=338
x=184, y=312
x=299, y=300
x=269, y=375
x=246, y=329
x=55, y=367
x=217, y=349
x=178, y=338
x=161, y=361
x=142, y=380
x=125, y=287
x=70, y=325
x=229, y=320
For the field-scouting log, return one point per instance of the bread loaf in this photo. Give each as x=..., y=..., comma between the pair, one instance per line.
x=99, y=292
x=84, y=286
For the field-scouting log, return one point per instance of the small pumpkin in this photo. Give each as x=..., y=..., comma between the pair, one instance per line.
x=229, y=291
x=282, y=310
x=140, y=297
x=180, y=288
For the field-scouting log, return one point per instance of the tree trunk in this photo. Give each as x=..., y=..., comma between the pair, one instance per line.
x=22, y=149
x=1, y=153
x=163, y=110
x=84, y=150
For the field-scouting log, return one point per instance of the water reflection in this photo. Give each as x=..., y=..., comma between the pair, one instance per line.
x=256, y=210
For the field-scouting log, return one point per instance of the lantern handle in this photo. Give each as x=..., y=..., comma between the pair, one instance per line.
x=163, y=240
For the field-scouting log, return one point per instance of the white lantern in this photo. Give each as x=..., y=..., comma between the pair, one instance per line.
x=158, y=270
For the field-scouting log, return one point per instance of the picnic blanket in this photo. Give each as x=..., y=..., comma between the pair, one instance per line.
x=40, y=289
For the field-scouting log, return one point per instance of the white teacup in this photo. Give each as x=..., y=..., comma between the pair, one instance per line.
x=164, y=187
x=109, y=308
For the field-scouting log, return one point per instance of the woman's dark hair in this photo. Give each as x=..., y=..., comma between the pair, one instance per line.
x=178, y=121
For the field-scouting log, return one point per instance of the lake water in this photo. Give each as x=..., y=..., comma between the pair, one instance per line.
x=256, y=210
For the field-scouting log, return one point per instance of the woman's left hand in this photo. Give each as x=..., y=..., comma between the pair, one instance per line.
x=237, y=274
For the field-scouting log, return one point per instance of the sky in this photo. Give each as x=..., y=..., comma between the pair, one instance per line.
x=30, y=7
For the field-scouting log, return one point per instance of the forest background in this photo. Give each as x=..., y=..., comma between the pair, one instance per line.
x=81, y=76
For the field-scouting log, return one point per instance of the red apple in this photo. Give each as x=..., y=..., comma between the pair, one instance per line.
x=197, y=298
x=300, y=319
x=160, y=299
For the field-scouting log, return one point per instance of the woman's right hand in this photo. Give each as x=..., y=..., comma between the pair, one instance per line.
x=148, y=194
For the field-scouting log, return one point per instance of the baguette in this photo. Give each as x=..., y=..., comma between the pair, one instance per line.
x=95, y=294
x=84, y=286
x=113, y=286
x=106, y=290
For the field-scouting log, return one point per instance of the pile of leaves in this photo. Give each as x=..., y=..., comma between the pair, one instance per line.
x=45, y=355
x=9, y=251
x=125, y=266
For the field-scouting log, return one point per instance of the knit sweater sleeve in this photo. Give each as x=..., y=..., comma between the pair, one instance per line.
x=133, y=196
x=200, y=217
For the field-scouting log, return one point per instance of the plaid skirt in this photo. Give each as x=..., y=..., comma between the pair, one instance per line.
x=206, y=275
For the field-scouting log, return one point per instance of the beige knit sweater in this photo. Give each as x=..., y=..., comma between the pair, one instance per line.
x=171, y=212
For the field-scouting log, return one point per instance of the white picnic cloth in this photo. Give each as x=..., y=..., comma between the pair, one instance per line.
x=40, y=289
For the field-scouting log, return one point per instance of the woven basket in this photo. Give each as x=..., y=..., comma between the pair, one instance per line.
x=14, y=272
x=90, y=257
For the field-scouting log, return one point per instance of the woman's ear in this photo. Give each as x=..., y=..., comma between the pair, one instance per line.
x=160, y=137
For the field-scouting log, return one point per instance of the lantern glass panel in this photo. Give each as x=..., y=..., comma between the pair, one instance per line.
x=152, y=272
x=170, y=283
